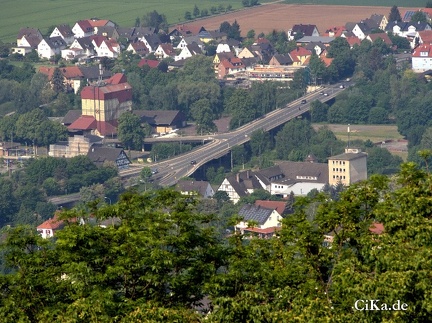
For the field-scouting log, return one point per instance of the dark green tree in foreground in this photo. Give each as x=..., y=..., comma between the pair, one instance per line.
x=162, y=257
x=395, y=14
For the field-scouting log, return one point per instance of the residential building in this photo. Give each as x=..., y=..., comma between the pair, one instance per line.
x=50, y=227
x=266, y=221
x=65, y=32
x=27, y=40
x=281, y=60
x=280, y=206
x=152, y=63
x=82, y=28
x=162, y=121
x=72, y=76
x=230, y=66
x=240, y=184
x=271, y=72
x=297, y=177
x=347, y=168
x=49, y=47
x=422, y=58
x=383, y=36
x=300, y=56
x=138, y=48
x=151, y=41
x=109, y=32
x=102, y=155
x=199, y=188
x=189, y=51
x=220, y=57
x=164, y=51
x=105, y=47
x=185, y=31
x=304, y=30
x=381, y=20
x=81, y=48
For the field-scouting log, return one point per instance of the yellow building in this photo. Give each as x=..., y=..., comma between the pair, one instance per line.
x=347, y=168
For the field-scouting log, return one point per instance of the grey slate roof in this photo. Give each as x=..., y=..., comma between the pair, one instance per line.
x=255, y=213
x=283, y=59
x=316, y=39
x=55, y=42
x=71, y=116
x=65, y=30
x=306, y=30
x=92, y=72
x=193, y=186
x=99, y=155
x=159, y=117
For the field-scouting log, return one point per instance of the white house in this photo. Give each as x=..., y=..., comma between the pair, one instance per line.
x=422, y=58
x=49, y=227
x=106, y=47
x=223, y=48
x=241, y=184
x=82, y=29
x=27, y=40
x=164, y=51
x=201, y=188
x=189, y=51
x=81, y=47
x=265, y=220
x=65, y=32
x=48, y=47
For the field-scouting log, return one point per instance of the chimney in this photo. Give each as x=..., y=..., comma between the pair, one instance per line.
x=238, y=177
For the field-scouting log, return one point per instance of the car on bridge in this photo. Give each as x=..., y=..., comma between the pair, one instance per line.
x=193, y=162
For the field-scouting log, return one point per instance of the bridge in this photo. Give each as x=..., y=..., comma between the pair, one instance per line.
x=172, y=170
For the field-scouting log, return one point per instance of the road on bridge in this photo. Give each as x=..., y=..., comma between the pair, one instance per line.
x=170, y=171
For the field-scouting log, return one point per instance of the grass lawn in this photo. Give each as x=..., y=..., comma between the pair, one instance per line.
x=381, y=3
x=376, y=133
x=15, y=14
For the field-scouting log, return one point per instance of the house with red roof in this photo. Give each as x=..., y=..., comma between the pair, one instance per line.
x=82, y=28
x=96, y=22
x=152, y=63
x=383, y=36
x=49, y=227
x=72, y=76
x=105, y=47
x=300, y=56
x=101, y=106
x=336, y=31
x=422, y=37
x=230, y=66
x=352, y=40
x=279, y=206
x=422, y=58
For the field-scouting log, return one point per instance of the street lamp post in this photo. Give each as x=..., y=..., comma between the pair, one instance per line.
x=107, y=198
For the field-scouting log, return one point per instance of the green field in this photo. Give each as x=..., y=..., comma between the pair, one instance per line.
x=381, y=3
x=15, y=14
x=375, y=133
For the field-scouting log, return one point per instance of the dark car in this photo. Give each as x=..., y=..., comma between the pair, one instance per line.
x=303, y=101
x=154, y=171
x=193, y=162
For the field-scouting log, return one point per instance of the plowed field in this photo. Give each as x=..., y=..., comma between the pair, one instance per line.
x=265, y=18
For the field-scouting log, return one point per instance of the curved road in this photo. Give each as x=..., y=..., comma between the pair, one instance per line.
x=170, y=171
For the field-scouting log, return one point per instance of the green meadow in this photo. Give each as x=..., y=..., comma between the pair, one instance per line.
x=42, y=14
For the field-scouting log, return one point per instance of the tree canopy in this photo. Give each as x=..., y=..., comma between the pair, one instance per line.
x=159, y=258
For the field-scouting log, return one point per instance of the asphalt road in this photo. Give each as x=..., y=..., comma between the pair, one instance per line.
x=170, y=171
